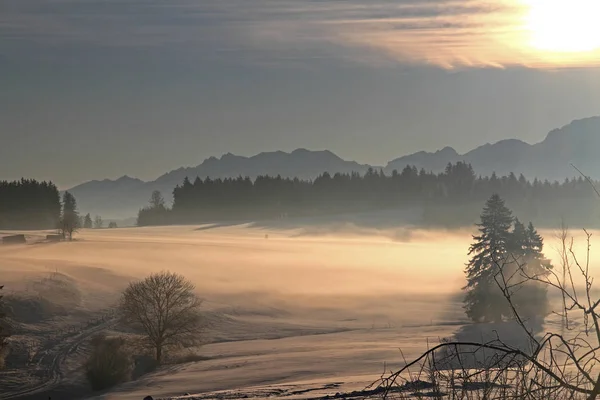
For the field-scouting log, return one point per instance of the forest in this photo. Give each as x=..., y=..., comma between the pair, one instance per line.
x=29, y=204
x=451, y=198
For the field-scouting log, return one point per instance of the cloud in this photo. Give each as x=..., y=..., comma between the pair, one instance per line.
x=446, y=33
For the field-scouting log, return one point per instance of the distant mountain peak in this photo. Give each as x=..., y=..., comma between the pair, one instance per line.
x=423, y=159
x=230, y=157
x=576, y=129
x=300, y=150
x=507, y=144
x=577, y=143
x=126, y=178
x=447, y=150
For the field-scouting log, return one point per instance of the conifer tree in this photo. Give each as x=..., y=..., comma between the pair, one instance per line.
x=518, y=244
x=87, y=221
x=531, y=301
x=484, y=301
x=70, y=218
x=535, y=242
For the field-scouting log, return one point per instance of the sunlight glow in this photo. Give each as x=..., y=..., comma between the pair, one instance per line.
x=566, y=26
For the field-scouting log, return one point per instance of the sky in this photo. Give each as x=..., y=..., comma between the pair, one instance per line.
x=93, y=89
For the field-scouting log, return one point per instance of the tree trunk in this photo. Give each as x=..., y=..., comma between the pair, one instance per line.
x=159, y=354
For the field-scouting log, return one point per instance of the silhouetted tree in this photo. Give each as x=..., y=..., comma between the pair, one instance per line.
x=98, y=222
x=515, y=255
x=518, y=239
x=532, y=298
x=157, y=200
x=70, y=219
x=448, y=198
x=29, y=204
x=483, y=301
x=156, y=213
x=165, y=307
x=112, y=225
x=87, y=222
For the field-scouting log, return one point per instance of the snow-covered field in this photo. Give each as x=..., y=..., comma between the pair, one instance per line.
x=292, y=313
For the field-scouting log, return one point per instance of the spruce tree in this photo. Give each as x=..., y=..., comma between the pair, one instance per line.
x=484, y=301
x=535, y=242
x=87, y=222
x=531, y=301
x=70, y=217
x=518, y=243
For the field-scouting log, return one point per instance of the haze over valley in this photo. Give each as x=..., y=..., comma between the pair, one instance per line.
x=297, y=311
x=299, y=200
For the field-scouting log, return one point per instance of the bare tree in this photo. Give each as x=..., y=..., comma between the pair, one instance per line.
x=157, y=200
x=565, y=243
x=165, y=307
x=98, y=222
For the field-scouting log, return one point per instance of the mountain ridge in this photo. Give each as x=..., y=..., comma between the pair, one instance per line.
x=549, y=159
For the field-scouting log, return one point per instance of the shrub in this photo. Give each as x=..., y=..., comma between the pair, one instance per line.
x=109, y=364
x=32, y=309
x=144, y=364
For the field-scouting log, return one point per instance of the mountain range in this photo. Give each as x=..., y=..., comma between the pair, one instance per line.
x=577, y=143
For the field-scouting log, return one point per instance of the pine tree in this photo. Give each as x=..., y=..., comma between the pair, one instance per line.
x=518, y=244
x=484, y=301
x=532, y=300
x=70, y=218
x=87, y=221
x=535, y=242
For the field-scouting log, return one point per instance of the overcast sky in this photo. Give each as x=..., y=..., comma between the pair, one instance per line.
x=93, y=89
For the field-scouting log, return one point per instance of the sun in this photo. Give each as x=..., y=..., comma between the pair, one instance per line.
x=567, y=26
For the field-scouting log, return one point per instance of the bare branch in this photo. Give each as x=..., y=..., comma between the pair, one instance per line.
x=166, y=308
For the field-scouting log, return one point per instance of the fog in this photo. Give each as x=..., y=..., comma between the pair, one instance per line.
x=236, y=261
x=286, y=305
x=349, y=270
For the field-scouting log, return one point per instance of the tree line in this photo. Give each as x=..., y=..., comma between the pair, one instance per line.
x=446, y=198
x=70, y=220
x=29, y=204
